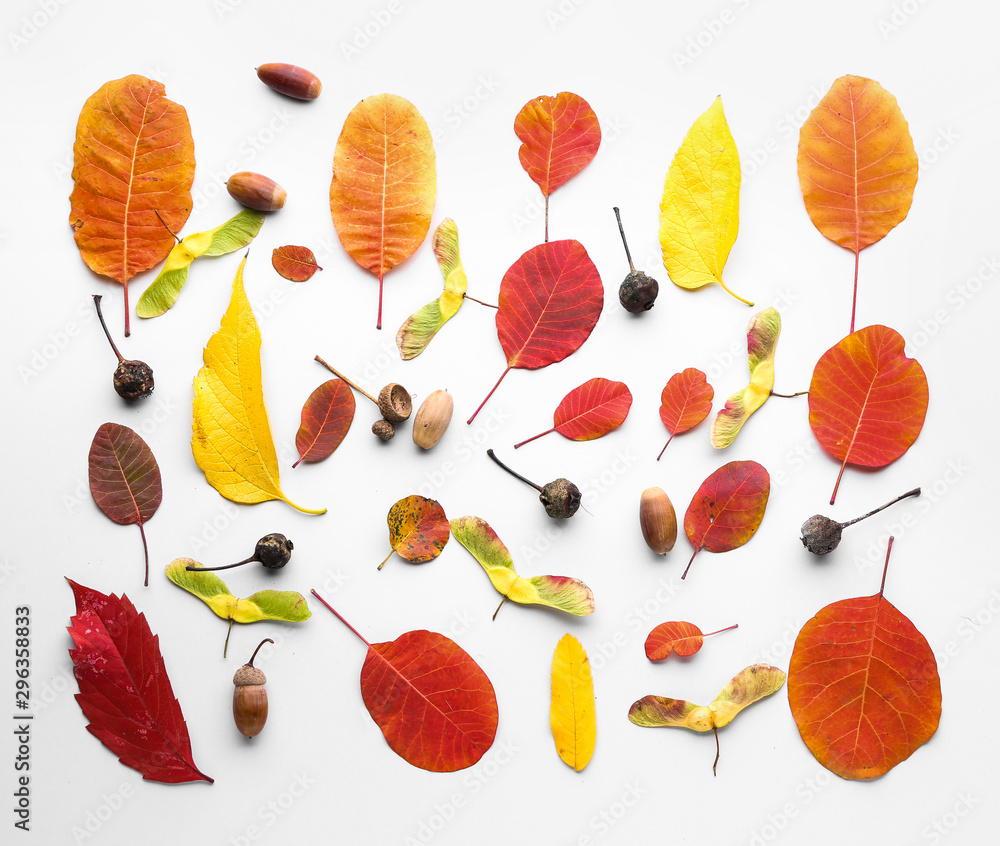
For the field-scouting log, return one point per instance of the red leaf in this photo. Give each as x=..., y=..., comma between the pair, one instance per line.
x=434, y=704
x=676, y=636
x=867, y=400
x=297, y=264
x=727, y=509
x=125, y=478
x=590, y=411
x=863, y=686
x=326, y=417
x=685, y=401
x=560, y=135
x=550, y=300
x=125, y=692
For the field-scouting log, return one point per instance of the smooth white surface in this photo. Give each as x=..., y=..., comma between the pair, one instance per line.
x=320, y=771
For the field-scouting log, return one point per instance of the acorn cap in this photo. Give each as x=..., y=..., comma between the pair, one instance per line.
x=247, y=675
x=394, y=402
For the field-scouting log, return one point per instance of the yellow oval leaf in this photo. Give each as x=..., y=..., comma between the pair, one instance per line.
x=572, y=715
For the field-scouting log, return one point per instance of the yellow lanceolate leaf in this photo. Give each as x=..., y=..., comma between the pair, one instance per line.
x=572, y=716
x=700, y=210
x=232, y=438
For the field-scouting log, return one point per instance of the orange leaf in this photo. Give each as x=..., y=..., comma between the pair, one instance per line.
x=133, y=159
x=676, y=636
x=685, y=401
x=560, y=135
x=296, y=264
x=384, y=184
x=857, y=165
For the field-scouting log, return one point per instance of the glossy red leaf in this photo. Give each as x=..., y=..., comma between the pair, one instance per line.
x=863, y=686
x=685, y=401
x=125, y=478
x=550, y=300
x=296, y=264
x=560, y=135
x=590, y=411
x=326, y=417
x=867, y=400
x=726, y=510
x=434, y=704
x=676, y=636
x=125, y=692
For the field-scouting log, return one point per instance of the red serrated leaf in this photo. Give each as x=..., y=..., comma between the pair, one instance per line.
x=685, y=401
x=125, y=478
x=867, y=400
x=863, y=686
x=590, y=411
x=676, y=636
x=296, y=264
x=125, y=692
x=726, y=510
x=326, y=417
x=434, y=704
x=560, y=135
x=550, y=300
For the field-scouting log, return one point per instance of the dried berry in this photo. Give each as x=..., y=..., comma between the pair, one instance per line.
x=273, y=551
x=560, y=497
x=821, y=535
x=638, y=292
x=133, y=379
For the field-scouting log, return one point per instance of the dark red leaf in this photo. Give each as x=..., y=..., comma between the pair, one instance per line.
x=125, y=478
x=297, y=264
x=596, y=407
x=326, y=417
x=125, y=692
x=685, y=401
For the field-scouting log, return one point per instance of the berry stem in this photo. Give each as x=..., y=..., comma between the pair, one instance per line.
x=491, y=454
x=340, y=375
x=337, y=615
x=628, y=255
x=191, y=569
x=788, y=396
x=914, y=492
x=259, y=645
x=157, y=213
x=104, y=326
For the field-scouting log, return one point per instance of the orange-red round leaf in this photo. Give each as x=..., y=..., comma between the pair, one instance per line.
x=296, y=264
x=560, y=136
x=673, y=636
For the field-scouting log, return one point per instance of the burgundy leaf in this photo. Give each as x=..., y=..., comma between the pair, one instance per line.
x=326, y=418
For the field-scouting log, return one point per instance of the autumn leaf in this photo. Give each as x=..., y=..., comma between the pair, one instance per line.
x=572, y=714
x=726, y=510
x=857, y=166
x=677, y=636
x=418, y=529
x=746, y=687
x=550, y=300
x=296, y=264
x=232, y=437
x=125, y=479
x=560, y=136
x=434, y=704
x=685, y=401
x=326, y=418
x=232, y=235
x=562, y=592
x=867, y=400
x=419, y=328
x=700, y=209
x=125, y=691
x=863, y=686
x=133, y=159
x=384, y=184
x=762, y=340
x=590, y=411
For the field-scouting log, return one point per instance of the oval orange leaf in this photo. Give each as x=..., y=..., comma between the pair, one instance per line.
x=867, y=400
x=296, y=264
x=384, y=184
x=596, y=407
x=326, y=417
x=133, y=158
x=560, y=135
x=685, y=401
x=676, y=636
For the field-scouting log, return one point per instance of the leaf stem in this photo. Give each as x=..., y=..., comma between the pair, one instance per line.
x=145, y=551
x=497, y=385
x=665, y=446
x=502, y=601
x=628, y=255
x=854, y=302
x=259, y=645
x=337, y=615
x=788, y=396
x=693, y=554
x=340, y=375
x=104, y=326
x=888, y=549
x=546, y=218
x=720, y=631
x=492, y=455
x=128, y=330
x=726, y=289
x=391, y=552
x=914, y=492
x=840, y=475
x=534, y=437
x=488, y=305
x=378, y=324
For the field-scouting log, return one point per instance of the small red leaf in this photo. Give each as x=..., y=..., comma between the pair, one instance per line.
x=685, y=402
x=125, y=478
x=726, y=510
x=326, y=417
x=125, y=692
x=676, y=636
x=560, y=135
x=590, y=411
x=297, y=264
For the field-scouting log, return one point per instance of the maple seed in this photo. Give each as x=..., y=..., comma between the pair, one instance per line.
x=273, y=551
x=133, y=379
x=638, y=292
x=250, y=697
x=821, y=535
x=560, y=497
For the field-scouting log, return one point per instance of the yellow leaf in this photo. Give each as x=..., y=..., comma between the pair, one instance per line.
x=232, y=439
x=572, y=716
x=700, y=210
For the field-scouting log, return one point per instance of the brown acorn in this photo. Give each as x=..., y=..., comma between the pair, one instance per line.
x=658, y=520
x=432, y=419
x=250, y=697
x=290, y=80
x=256, y=191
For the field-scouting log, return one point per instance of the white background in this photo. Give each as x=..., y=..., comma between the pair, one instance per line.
x=321, y=770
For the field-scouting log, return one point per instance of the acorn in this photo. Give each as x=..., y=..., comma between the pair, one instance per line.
x=393, y=402
x=290, y=80
x=133, y=379
x=638, y=292
x=821, y=535
x=250, y=697
x=384, y=429
x=256, y=191
x=658, y=520
x=560, y=497
x=432, y=419
x=273, y=551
